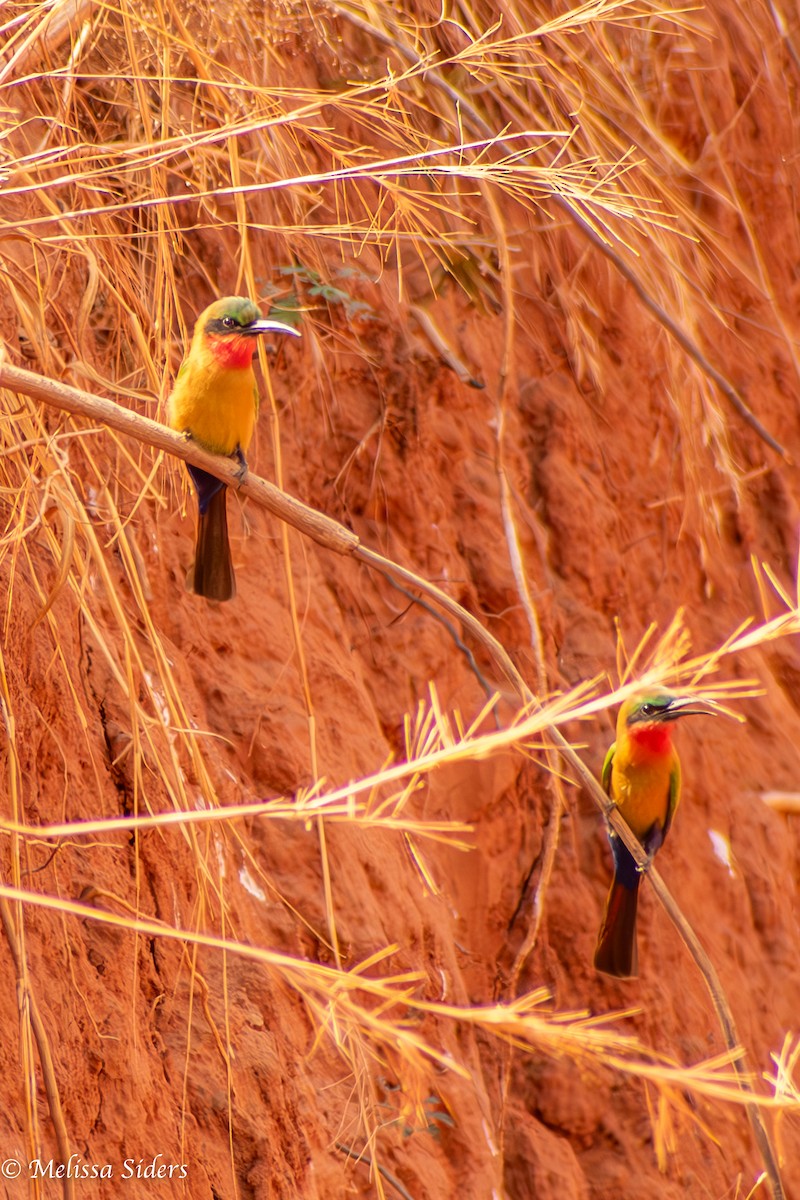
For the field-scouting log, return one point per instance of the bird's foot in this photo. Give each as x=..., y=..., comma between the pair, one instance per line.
x=241, y=471
x=643, y=868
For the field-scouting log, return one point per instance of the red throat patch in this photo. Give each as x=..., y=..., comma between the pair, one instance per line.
x=653, y=738
x=233, y=352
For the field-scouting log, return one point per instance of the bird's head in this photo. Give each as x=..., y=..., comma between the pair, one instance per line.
x=648, y=716
x=228, y=328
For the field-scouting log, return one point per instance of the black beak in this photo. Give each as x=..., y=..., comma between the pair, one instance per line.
x=266, y=326
x=689, y=706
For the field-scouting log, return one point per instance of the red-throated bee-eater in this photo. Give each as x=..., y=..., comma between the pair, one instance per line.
x=215, y=402
x=642, y=775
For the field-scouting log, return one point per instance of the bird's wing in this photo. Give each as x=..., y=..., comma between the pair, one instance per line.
x=605, y=778
x=674, y=795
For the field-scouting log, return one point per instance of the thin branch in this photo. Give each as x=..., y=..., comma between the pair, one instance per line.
x=468, y=110
x=316, y=525
x=701, y=959
x=362, y=1157
x=681, y=336
x=330, y=534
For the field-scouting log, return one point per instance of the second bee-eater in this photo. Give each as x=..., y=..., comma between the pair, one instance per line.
x=642, y=775
x=215, y=402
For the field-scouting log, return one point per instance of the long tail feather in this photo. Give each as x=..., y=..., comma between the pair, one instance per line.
x=212, y=574
x=616, y=952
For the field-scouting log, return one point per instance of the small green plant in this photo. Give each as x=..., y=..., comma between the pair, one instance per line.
x=318, y=288
x=437, y=1116
x=434, y=1110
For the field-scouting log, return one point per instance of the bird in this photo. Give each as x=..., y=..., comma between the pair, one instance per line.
x=642, y=776
x=215, y=403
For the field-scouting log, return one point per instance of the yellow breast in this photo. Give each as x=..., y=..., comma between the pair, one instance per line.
x=216, y=406
x=644, y=791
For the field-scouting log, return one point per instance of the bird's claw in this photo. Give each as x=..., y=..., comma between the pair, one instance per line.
x=241, y=470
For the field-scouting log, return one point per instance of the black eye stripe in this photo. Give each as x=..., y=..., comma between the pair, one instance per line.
x=223, y=325
x=652, y=710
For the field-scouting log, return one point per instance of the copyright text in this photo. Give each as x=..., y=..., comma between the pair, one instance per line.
x=78, y=1168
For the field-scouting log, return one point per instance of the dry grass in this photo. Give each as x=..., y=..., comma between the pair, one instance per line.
x=138, y=142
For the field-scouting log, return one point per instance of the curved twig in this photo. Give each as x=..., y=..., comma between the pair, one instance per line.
x=467, y=110
x=360, y=1156
x=333, y=536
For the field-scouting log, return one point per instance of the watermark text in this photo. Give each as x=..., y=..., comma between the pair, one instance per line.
x=78, y=1167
